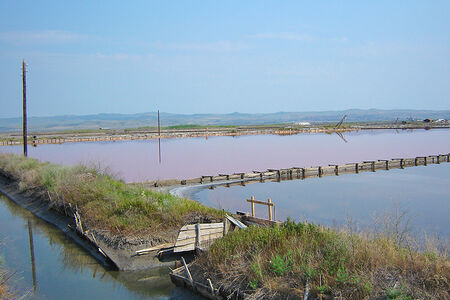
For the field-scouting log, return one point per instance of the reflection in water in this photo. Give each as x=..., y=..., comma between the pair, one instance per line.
x=421, y=191
x=33, y=268
x=159, y=149
x=341, y=135
x=64, y=270
x=194, y=157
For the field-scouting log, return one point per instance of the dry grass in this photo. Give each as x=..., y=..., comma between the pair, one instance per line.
x=278, y=262
x=3, y=293
x=3, y=280
x=103, y=202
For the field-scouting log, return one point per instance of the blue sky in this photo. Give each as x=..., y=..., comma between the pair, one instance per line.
x=89, y=57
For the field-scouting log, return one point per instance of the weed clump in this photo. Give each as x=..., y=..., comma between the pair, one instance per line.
x=278, y=262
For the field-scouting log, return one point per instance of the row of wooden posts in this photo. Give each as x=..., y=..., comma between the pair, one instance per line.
x=148, y=136
x=332, y=169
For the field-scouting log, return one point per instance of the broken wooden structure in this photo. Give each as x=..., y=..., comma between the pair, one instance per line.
x=241, y=178
x=198, y=236
x=182, y=277
x=268, y=203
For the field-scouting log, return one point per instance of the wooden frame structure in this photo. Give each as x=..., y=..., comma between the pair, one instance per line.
x=268, y=203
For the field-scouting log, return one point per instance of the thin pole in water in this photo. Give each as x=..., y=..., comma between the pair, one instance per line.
x=159, y=138
x=159, y=125
x=33, y=268
x=24, y=95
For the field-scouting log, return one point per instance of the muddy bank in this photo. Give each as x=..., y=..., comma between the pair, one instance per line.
x=118, y=251
x=59, y=137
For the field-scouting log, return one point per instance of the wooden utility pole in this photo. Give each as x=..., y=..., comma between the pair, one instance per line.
x=24, y=87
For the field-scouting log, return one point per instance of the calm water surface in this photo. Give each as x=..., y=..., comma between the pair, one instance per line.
x=65, y=271
x=423, y=192
x=194, y=157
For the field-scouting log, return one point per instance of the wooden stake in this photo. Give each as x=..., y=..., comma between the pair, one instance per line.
x=270, y=209
x=24, y=97
x=197, y=235
x=187, y=270
x=253, y=205
x=211, y=286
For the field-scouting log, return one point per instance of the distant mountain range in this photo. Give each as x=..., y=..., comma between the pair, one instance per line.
x=118, y=121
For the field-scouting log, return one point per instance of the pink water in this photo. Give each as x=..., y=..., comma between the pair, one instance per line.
x=193, y=157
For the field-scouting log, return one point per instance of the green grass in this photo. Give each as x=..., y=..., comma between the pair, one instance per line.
x=103, y=202
x=280, y=260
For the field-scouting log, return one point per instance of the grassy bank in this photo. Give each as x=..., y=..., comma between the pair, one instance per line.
x=280, y=262
x=104, y=203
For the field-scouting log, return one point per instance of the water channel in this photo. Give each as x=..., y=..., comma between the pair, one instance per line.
x=57, y=268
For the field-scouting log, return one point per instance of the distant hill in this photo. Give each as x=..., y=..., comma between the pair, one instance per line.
x=117, y=121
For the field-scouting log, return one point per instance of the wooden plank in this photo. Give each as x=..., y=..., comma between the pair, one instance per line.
x=186, y=234
x=185, y=242
x=260, y=202
x=190, y=247
x=189, y=244
x=210, y=231
x=236, y=222
x=210, y=237
x=187, y=270
x=155, y=248
x=192, y=233
x=202, y=226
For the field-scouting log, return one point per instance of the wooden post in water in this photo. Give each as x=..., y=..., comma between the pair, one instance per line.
x=24, y=98
x=336, y=169
x=253, y=205
x=270, y=209
x=372, y=164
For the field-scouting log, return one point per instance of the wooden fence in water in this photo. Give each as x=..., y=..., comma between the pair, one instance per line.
x=330, y=170
x=165, y=135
